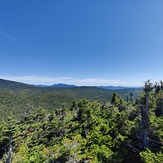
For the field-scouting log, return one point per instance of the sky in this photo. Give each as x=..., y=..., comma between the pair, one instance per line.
x=81, y=42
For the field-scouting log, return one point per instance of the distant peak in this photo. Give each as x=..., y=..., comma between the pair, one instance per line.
x=62, y=85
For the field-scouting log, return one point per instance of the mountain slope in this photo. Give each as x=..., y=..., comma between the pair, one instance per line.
x=7, y=84
x=17, y=97
x=92, y=93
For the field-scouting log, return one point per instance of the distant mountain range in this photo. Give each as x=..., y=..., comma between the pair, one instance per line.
x=112, y=87
x=61, y=85
x=13, y=84
x=16, y=96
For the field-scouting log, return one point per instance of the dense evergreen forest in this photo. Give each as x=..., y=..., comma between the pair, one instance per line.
x=17, y=97
x=119, y=129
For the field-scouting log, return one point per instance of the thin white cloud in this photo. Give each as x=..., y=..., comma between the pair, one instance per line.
x=98, y=82
x=153, y=68
x=8, y=36
x=68, y=80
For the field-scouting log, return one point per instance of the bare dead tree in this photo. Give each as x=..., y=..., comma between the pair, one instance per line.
x=9, y=152
x=145, y=139
x=145, y=115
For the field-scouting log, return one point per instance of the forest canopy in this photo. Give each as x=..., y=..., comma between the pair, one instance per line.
x=120, y=130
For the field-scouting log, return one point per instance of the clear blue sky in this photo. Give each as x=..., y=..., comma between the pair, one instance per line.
x=82, y=42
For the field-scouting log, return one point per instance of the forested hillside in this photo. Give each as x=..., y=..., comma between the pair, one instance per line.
x=17, y=97
x=115, y=131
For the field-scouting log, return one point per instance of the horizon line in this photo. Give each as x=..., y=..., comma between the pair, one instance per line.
x=48, y=81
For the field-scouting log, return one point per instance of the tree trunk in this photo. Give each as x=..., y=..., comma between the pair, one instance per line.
x=145, y=123
x=9, y=153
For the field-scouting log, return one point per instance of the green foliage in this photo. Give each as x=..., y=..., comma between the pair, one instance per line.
x=17, y=97
x=150, y=157
x=87, y=131
x=95, y=134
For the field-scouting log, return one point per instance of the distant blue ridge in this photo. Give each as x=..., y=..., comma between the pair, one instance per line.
x=62, y=85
